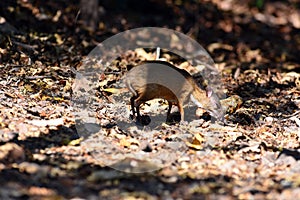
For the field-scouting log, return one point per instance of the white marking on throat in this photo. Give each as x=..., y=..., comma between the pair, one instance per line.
x=196, y=101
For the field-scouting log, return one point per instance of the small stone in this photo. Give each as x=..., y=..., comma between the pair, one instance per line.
x=269, y=120
x=11, y=153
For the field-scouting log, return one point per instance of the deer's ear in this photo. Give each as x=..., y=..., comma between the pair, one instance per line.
x=209, y=92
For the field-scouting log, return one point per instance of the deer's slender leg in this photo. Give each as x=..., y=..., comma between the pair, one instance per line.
x=181, y=110
x=132, y=101
x=169, y=109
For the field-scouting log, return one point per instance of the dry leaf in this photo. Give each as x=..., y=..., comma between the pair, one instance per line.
x=197, y=142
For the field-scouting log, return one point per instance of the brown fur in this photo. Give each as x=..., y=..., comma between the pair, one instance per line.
x=159, y=79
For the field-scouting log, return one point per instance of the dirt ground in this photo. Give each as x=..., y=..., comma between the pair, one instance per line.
x=255, y=45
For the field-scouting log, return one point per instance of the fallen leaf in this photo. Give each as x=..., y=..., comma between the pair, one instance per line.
x=43, y=123
x=197, y=142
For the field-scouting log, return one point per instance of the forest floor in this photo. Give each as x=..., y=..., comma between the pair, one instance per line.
x=255, y=45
